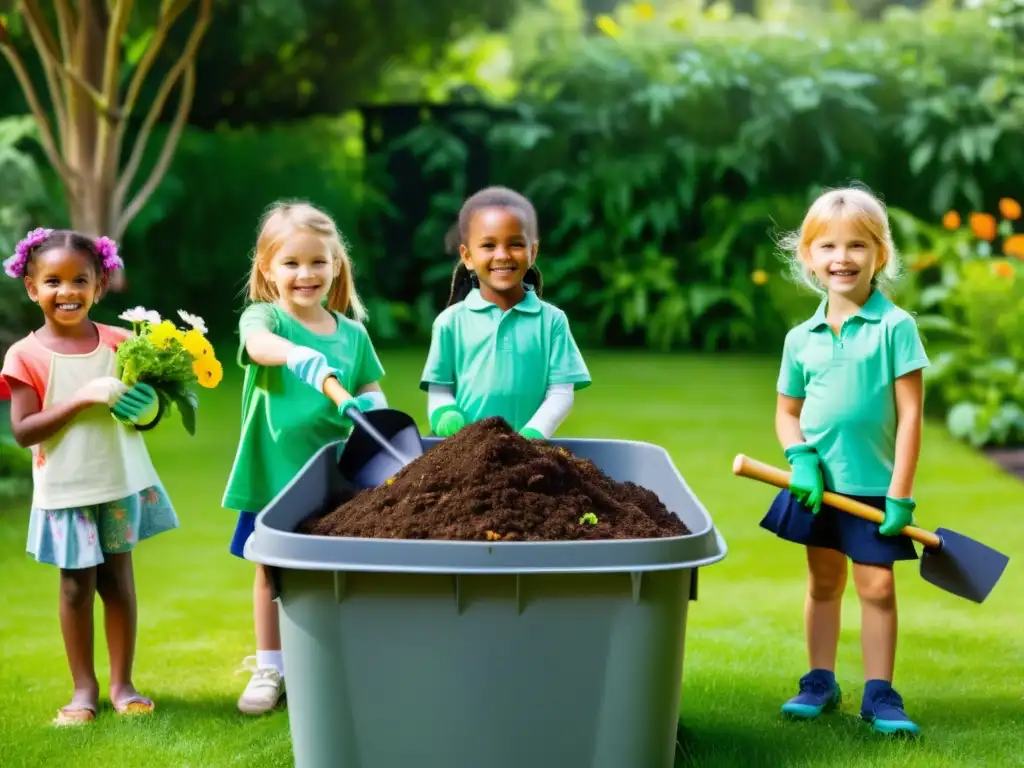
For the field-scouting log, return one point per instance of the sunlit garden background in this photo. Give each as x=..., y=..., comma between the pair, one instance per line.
x=666, y=146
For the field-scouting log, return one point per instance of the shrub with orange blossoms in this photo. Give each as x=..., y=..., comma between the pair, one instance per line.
x=988, y=229
x=169, y=359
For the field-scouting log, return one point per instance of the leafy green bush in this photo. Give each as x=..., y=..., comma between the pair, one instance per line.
x=969, y=288
x=190, y=247
x=666, y=151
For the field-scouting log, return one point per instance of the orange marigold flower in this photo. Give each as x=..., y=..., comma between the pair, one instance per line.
x=1003, y=269
x=1009, y=208
x=983, y=225
x=951, y=220
x=1014, y=246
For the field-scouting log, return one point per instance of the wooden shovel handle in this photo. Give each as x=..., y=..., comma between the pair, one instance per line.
x=335, y=391
x=744, y=466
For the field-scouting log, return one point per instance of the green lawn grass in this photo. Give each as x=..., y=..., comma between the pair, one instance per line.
x=959, y=665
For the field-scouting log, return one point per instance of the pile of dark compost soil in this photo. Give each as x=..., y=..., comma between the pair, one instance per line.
x=488, y=483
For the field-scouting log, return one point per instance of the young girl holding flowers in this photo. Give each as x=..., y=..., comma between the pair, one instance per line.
x=294, y=336
x=95, y=491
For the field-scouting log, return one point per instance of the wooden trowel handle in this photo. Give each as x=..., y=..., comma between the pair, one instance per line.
x=335, y=391
x=744, y=466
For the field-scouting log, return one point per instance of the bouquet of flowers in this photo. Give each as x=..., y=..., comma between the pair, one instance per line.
x=169, y=359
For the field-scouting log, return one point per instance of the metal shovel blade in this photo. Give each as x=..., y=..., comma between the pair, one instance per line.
x=364, y=461
x=963, y=566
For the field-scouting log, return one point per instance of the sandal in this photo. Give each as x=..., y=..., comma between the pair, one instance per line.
x=134, y=705
x=74, y=714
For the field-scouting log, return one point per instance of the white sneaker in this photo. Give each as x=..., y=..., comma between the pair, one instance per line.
x=264, y=691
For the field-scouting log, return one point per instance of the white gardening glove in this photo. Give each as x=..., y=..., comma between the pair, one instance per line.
x=106, y=390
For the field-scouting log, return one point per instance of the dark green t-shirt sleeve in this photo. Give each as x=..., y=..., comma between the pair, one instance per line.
x=369, y=370
x=258, y=317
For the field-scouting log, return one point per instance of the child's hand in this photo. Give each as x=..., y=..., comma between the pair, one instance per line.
x=106, y=390
x=899, y=513
x=446, y=421
x=806, y=482
x=311, y=367
x=139, y=405
x=532, y=434
x=361, y=403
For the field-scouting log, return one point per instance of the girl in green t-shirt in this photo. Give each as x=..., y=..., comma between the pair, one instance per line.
x=498, y=349
x=294, y=335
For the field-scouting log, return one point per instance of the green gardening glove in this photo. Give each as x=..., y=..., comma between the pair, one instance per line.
x=806, y=482
x=139, y=406
x=446, y=421
x=532, y=434
x=362, y=403
x=899, y=513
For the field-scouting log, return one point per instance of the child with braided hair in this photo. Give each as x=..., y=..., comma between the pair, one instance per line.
x=498, y=349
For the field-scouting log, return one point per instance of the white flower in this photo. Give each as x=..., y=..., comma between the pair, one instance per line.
x=152, y=317
x=195, y=321
x=135, y=315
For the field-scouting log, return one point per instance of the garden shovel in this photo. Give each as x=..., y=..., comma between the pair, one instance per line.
x=382, y=443
x=951, y=561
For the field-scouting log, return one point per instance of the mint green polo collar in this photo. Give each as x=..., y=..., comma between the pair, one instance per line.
x=530, y=303
x=872, y=311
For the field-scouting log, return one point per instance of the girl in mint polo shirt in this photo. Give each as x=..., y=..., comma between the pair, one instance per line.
x=498, y=349
x=294, y=335
x=849, y=418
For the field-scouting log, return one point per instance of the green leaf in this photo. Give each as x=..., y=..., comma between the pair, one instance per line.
x=186, y=402
x=961, y=419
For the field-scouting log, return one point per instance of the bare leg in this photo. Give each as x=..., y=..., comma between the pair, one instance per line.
x=266, y=686
x=823, y=606
x=268, y=628
x=116, y=585
x=876, y=588
x=77, y=593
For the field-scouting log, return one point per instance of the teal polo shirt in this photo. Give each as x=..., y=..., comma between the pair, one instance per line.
x=847, y=381
x=502, y=363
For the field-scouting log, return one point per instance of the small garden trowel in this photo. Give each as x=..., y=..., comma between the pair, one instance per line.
x=951, y=561
x=382, y=443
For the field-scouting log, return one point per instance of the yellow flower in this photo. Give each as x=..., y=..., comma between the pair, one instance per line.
x=162, y=334
x=644, y=11
x=1009, y=208
x=608, y=25
x=208, y=370
x=196, y=344
x=759, y=277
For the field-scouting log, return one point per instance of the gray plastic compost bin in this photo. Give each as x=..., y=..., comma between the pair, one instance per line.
x=453, y=654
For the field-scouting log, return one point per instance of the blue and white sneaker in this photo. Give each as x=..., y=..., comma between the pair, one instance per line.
x=819, y=693
x=883, y=708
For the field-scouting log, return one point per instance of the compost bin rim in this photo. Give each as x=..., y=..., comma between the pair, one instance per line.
x=409, y=556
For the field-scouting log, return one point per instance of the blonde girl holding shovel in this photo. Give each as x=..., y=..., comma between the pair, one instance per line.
x=294, y=335
x=849, y=418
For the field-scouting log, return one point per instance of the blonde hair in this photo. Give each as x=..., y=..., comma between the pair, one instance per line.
x=856, y=206
x=285, y=219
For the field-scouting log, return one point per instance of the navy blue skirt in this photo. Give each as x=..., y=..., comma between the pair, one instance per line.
x=245, y=526
x=831, y=528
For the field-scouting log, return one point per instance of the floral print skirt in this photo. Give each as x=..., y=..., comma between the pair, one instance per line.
x=78, y=537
